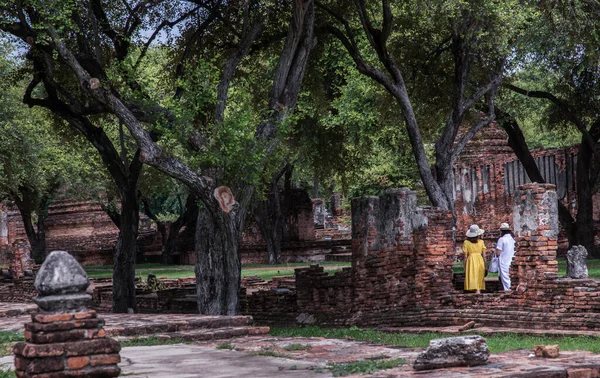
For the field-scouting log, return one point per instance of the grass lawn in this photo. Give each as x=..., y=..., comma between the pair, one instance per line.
x=264, y=271
x=496, y=343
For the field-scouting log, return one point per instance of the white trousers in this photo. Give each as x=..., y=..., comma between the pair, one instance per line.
x=504, y=272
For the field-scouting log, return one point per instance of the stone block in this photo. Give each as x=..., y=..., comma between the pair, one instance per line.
x=546, y=351
x=61, y=274
x=453, y=351
x=576, y=262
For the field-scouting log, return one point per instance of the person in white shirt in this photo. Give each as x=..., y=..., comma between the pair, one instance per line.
x=505, y=250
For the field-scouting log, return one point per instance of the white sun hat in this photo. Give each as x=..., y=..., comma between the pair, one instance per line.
x=504, y=227
x=474, y=231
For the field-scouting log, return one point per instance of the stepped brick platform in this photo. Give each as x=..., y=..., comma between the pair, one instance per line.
x=184, y=326
x=16, y=309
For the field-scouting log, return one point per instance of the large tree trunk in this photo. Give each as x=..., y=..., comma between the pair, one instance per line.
x=36, y=238
x=584, y=224
x=269, y=217
x=218, y=267
x=516, y=141
x=125, y=254
x=186, y=219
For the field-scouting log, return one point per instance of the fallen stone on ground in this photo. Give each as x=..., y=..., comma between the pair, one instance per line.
x=546, y=351
x=453, y=351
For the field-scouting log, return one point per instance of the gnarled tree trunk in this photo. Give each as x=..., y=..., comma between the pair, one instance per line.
x=125, y=254
x=218, y=267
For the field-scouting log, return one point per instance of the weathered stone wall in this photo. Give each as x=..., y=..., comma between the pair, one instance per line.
x=401, y=259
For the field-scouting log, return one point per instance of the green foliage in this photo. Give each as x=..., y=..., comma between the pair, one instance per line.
x=269, y=353
x=33, y=156
x=558, y=54
x=364, y=367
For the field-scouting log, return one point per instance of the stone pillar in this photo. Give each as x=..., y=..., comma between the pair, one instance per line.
x=3, y=228
x=319, y=212
x=65, y=339
x=20, y=259
x=400, y=258
x=535, y=219
x=336, y=204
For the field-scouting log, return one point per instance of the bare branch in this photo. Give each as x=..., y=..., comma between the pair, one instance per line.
x=150, y=152
x=563, y=106
x=162, y=25
x=483, y=121
x=230, y=68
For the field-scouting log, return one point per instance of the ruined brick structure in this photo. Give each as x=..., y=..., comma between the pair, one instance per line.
x=65, y=339
x=401, y=274
x=487, y=175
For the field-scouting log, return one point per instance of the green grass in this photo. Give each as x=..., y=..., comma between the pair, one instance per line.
x=7, y=341
x=183, y=271
x=7, y=373
x=269, y=353
x=293, y=347
x=364, y=367
x=228, y=346
x=496, y=343
x=150, y=341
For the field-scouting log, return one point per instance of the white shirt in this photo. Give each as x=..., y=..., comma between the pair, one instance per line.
x=506, y=245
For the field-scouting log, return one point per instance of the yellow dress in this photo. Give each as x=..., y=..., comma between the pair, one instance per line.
x=474, y=265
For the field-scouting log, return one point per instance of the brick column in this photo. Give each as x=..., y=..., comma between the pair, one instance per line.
x=65, y=339
x=434, y=255
x=318, y=206
x=535, y=217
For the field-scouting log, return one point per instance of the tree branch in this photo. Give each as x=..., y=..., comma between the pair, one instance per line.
x=563, y=106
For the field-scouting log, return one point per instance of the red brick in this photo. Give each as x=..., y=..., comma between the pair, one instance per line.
x=45, y=364
x=50, y=318
x=85, y=315
x=105, y=359
x=74, y=363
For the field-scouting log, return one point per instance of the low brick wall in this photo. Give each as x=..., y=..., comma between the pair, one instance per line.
x=402, y=274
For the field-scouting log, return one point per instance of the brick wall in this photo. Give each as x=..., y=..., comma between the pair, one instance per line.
x=401, y=273
x=487, y=174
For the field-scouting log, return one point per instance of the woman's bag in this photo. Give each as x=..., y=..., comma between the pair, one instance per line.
x=494, y=264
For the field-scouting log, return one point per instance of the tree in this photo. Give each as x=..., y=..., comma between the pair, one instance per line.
x=35, y=163
x=82, y=58
x=171, y=207
x=462, y=45
x=52, y=87
x=559, y=67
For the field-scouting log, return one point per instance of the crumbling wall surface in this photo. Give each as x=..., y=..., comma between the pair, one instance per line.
x=402, y=273
x=487, y=175
x=401, y=261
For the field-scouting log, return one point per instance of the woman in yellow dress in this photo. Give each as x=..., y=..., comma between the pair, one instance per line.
x=474, y=251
